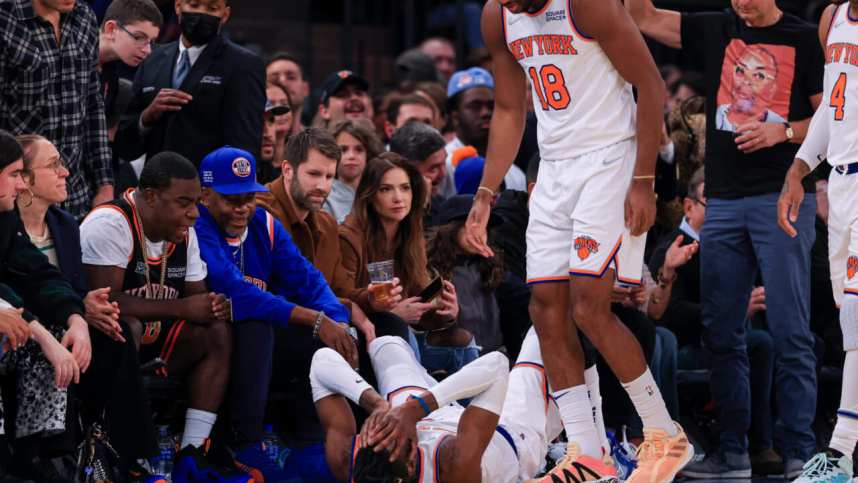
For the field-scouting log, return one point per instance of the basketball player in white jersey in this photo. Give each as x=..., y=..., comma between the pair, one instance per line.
x=833, y=135
x=592, y=204
x=502, y=436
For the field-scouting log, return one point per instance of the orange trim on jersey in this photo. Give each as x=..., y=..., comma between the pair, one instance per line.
x=538, y=280
x=170, y=343
x=130, y=226
x=583, y=37
x=853, y=21
x=541, y=10
x=355, y=448
x=541, y=369
x=392, y=394
x=270, y=228
x=850, y=291
x=601, y=272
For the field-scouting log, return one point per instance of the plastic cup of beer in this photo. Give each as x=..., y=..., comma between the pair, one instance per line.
x=381, y=280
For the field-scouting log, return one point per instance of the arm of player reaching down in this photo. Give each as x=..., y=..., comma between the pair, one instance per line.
x=621, y=41
x=506, y=128
x=665, y=26
x=333, y=381
x=484, y=380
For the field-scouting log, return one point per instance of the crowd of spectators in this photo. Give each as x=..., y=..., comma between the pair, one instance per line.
x=202, y=222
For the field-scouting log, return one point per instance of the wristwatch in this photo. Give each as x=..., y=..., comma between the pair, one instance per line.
x=789, y=132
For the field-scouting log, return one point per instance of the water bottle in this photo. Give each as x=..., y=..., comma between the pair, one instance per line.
x=163, y=463
x=271, y=444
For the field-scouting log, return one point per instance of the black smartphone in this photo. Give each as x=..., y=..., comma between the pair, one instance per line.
x=432, y=290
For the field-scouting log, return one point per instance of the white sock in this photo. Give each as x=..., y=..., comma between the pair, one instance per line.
x=577, y=416
x=591, y=377
x=198, y=427
x=846, y=430
x=649, y=404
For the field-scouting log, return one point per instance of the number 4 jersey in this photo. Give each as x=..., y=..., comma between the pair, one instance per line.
x=582, y=103
x=841, y=87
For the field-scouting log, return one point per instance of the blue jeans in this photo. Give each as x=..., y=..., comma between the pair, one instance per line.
x=740, y=237
x=663, y=368
x=450, y=359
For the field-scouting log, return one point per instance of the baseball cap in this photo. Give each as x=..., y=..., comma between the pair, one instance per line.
x=230, y=171
x=415, y=66
x=458, y=207
x=276, y=109
x=468, y=79
x=338, y=80
x=468, y=174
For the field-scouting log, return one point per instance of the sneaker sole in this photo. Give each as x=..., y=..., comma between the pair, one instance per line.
x=727, y=475
x=689, y=455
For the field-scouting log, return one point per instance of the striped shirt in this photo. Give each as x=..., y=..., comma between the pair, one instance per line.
x=52, y=89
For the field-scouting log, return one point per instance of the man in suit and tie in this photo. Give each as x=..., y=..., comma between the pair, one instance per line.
x=197, y=94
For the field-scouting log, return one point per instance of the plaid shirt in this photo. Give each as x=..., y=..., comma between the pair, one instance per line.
x=54, y=90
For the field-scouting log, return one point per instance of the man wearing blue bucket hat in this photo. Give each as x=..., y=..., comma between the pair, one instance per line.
x=252, y=259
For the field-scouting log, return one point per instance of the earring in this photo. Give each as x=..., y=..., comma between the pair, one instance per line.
x=30, y=202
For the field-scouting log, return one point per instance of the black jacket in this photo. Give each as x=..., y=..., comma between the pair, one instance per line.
x=66, y=234
x=227, y=83
x=28, y=279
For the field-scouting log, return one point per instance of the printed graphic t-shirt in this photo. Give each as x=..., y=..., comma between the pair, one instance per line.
x=765, y=74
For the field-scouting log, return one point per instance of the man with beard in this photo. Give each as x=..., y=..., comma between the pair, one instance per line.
x=344, y=96
x=252, y=260
x=471, y=101
x=197, y=94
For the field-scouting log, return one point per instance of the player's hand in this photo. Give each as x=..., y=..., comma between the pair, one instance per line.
x=678, y=255
x=400, y=426
x=640, y=207
x=221, y=307
x=756, y=135
x=200, y=308
x=394, y=297
x=14, y=327
x=337, y=337
x=789, y=203
x=376, y=427
x=476, y=236
x=76, y=338
x=167, y=100
x=757, y=303
x=103, y=314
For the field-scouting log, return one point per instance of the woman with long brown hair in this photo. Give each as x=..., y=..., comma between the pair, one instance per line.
x=386, y=223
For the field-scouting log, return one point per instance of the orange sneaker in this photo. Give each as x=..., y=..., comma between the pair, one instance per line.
x=661, y=457
x=577, y=468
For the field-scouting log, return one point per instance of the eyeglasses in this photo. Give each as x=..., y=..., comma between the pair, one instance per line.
x=139, y=38
x=56, y=164
x=699, y=202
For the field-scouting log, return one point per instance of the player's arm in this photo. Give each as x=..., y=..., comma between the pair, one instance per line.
x=484, y=380
x=622, y=42
x=665, y=26
x=506, y=128
x=333, y=381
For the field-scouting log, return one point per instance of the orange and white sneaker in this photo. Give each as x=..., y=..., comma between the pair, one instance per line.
x=578, y=468
x=661, y=457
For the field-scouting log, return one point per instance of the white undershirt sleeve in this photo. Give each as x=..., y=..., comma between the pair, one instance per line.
x=330, y=374
x=485, y=380
x=815, y=146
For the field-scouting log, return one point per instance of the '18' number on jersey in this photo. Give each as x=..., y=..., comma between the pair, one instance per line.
x=838, y=97
x=550, y=87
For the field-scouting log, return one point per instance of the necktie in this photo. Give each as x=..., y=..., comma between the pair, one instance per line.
x=181, y=70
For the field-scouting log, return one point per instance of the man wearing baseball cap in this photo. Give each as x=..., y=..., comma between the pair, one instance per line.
x=252, y=259
x=269, y=168
x=470, y=102
x=345, y=96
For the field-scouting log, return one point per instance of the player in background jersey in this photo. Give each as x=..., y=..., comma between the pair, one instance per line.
x=833, y=135
x=594, y=194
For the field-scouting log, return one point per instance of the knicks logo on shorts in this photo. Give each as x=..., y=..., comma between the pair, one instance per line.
x=586, y=246
x=851, y=267
x=151, y=331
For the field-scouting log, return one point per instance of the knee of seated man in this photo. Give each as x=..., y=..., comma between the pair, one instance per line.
x=218, y=336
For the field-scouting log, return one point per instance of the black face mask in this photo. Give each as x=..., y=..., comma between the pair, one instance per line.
x=199, y=28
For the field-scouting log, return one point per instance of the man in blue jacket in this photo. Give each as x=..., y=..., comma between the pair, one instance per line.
x=252, y=259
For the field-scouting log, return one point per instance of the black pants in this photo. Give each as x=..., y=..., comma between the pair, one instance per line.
x=277, y=361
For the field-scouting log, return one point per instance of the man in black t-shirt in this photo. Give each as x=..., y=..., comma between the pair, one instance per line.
x=763, y=71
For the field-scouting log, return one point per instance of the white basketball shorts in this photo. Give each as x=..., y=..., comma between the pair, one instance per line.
x=843, y=234
x=577, y=218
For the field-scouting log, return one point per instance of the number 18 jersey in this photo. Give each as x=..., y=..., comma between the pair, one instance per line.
x=582, y=103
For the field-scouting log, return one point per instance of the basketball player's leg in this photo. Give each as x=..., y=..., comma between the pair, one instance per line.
x=200, y=355
x=397, y=370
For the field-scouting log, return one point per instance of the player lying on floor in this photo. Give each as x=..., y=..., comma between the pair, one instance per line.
x=418, y=432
